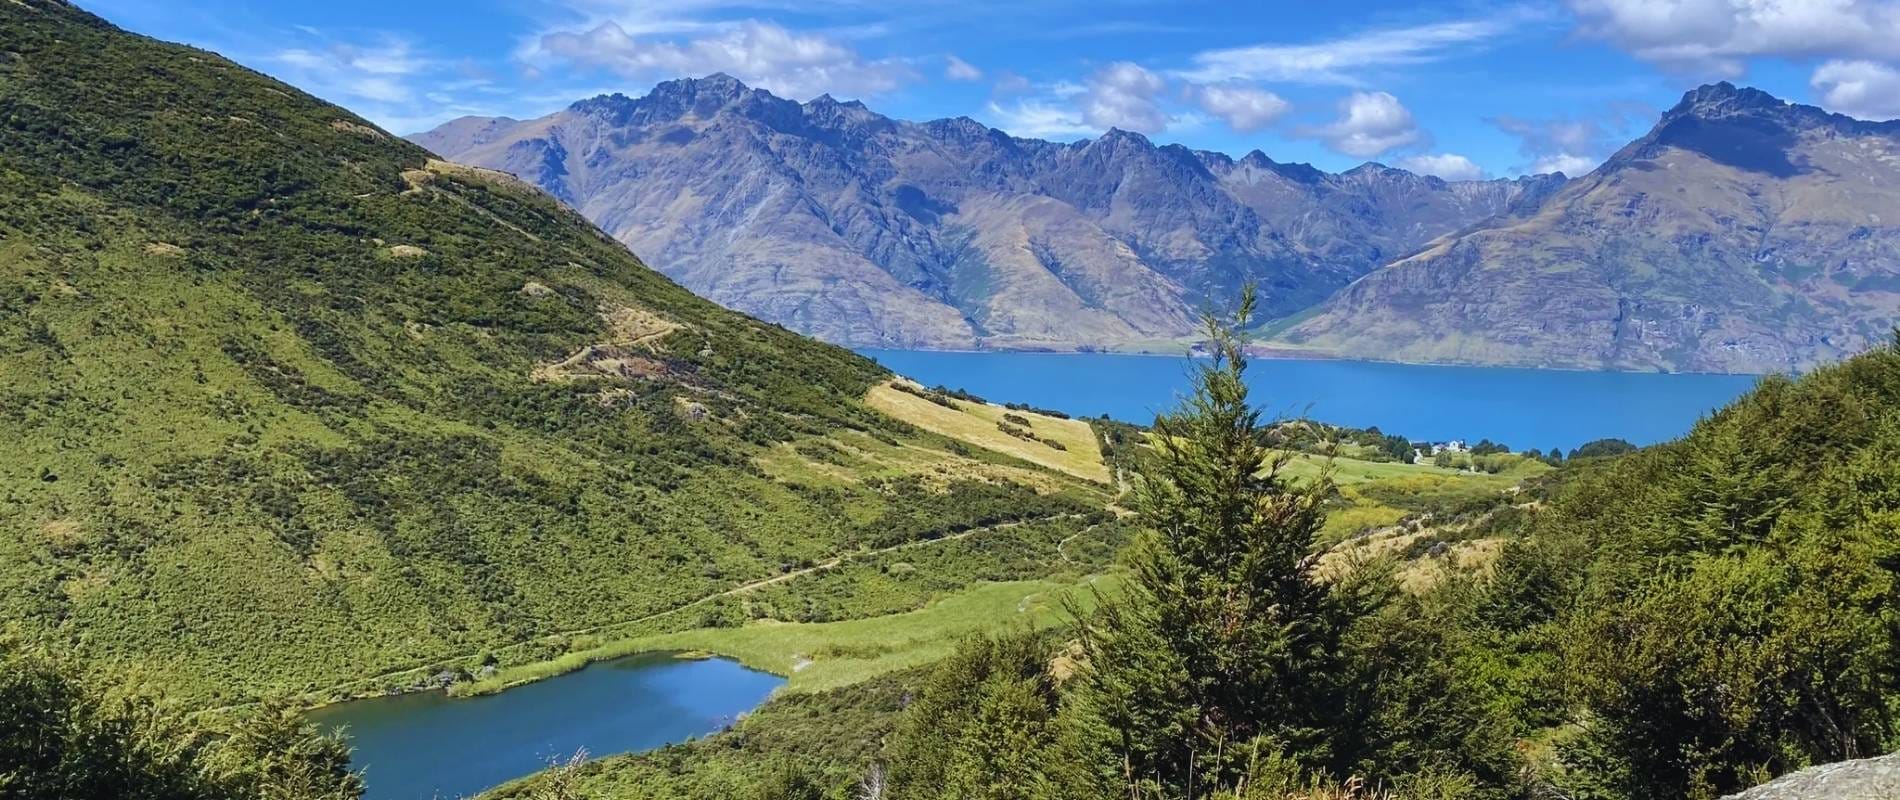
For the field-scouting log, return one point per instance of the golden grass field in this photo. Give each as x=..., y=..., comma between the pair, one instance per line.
x=976, y=423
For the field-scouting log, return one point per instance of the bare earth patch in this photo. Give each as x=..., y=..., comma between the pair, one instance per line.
x=633, y=334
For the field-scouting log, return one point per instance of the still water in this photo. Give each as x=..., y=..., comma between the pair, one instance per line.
x=418, y=746
x=1523, y=408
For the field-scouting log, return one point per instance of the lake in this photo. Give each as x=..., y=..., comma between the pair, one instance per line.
x=425, y=745
x=1523, y=408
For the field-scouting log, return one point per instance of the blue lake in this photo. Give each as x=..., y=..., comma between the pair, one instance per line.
x=1523, y=408
x=420, y=746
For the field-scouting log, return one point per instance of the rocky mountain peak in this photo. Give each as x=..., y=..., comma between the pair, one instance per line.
x=1722, y=99
x=718, y=86
x=827, y=111
x=669, y=100
x=1118, y=138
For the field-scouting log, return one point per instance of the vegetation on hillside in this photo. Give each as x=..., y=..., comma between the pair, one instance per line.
x=65, y=737
x=289, y=404
x=1678, y=622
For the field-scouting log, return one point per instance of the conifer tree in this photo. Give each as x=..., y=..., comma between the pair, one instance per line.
x=1224, y=646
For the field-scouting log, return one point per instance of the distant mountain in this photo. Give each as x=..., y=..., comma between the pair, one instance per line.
x=1741, y=234
x=836, y=221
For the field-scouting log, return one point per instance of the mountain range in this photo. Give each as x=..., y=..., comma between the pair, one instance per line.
x=1742, y=234
x=842, y=223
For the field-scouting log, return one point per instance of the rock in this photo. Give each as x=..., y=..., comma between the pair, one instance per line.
x=404, y=251
x=534, y=289
x=1865, y=779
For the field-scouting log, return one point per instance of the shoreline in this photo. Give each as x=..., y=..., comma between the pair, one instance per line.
x=1282, y=353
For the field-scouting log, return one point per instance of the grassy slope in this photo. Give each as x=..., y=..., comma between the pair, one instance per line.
x=978, y=423
x=267, y=380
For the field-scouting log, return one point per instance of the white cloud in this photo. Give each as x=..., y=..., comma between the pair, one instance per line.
x=384, y=78
x=1450, y=166
x=1370, y=123
x=957, y=69
x=1245, y=109
x=1715, y=37
x=345, y=71
x=763, y=54
x=1570, y=164
x=1572, y=146
x=1127, y=96
x=1861, y=89
x=1035, y=119
x=1335, y=61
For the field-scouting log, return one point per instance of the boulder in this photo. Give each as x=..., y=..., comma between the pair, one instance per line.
x=1865, y=779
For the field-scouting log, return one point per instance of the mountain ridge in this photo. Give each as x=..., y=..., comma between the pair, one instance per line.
x=837, y=221
x=1740, y=234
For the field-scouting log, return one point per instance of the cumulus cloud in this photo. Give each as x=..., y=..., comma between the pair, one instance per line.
x=1572, y=146
x=1370, y=123
x=1127, y=96
x=1715, y=37
x=1450, y=166
x=1244, y=108
x=957, y=69
x=1336, y=61
x=762, y=54
x=1861, y=89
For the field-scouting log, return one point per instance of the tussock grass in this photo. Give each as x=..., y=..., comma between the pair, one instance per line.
x=977, y=424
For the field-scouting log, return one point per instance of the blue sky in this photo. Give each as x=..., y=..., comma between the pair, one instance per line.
x=1461, y=90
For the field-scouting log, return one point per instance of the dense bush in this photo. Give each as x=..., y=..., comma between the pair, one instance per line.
x=64, y=737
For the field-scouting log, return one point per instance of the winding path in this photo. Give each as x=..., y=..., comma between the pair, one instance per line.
x=832, y=563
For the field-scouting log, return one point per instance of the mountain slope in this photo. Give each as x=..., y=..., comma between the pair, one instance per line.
x=836, y=221
x=289, y=402
x=1741, y=234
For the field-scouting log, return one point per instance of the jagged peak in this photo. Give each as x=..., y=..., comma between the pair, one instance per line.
x=1119, y=136
x=718, y=85
x=1723, y=98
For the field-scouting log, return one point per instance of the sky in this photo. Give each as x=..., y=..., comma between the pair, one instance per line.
x=1459, y=89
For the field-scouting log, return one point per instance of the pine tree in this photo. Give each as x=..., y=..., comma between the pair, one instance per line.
x=1225, y=644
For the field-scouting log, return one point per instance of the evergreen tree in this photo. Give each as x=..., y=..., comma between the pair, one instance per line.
x=1225, y=645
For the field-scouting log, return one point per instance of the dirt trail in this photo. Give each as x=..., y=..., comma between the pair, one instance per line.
x=832, y=563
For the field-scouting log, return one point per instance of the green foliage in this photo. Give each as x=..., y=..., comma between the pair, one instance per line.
x=256, y=448
x=64, y=738
x=1735, y=615
x=982, y=725
x=1601, y=448
x=1225, y=635
x=1226, y=661
x=796, y=747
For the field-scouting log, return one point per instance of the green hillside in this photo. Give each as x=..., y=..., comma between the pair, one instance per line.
x=1684, y=621
x=288, y=403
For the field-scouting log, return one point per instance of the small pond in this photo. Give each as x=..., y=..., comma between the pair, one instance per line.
x=426, y=745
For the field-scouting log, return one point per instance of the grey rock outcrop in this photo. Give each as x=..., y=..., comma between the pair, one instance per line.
x=1865, y=779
